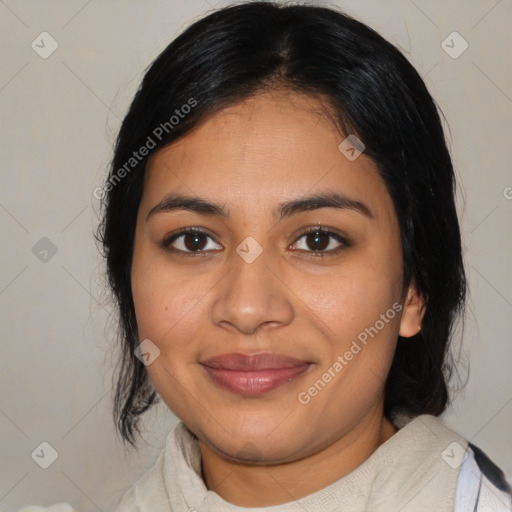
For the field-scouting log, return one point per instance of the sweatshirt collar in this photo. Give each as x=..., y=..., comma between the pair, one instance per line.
x=413, y=470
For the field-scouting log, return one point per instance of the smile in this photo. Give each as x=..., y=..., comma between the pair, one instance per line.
x=253, y=375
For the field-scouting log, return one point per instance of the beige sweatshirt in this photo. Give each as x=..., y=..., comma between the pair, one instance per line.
x=415, y=470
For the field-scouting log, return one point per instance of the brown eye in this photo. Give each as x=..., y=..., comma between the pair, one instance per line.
x=189, y=241
x=317, y=241
x=321, y=241
x=194, y=241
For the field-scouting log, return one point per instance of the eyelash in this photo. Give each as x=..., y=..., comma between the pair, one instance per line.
x=165, y=244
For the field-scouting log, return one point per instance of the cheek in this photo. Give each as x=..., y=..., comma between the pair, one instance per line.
x=354, y=295
x=166, y=300
x=360, y=306
x=164, y=305
x=168, y=311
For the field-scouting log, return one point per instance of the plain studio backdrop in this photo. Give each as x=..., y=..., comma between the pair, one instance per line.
x=68, y=73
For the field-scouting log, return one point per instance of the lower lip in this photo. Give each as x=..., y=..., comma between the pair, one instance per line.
x=256, y=382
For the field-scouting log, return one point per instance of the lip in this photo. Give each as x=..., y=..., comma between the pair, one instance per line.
x=253, y=375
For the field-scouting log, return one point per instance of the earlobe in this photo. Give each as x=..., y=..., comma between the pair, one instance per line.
x=413, y=312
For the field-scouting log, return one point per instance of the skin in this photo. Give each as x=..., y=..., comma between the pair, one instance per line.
x=275, y=147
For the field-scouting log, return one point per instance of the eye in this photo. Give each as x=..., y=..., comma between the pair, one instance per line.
x=320, y=242
x=190, y=240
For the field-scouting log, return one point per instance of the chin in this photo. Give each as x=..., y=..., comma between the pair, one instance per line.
x=256, y=446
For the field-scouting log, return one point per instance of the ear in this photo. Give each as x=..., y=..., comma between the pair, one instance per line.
x=413, y=312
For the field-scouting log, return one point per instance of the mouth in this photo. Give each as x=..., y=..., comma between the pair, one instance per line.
x=253, y=375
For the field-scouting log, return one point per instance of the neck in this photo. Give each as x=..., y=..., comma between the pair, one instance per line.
x=247, y=485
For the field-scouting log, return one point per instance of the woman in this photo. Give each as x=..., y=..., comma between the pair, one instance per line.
x=282, y=241
x=283, y=244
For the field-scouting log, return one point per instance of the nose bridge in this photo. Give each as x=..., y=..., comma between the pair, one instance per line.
x=251, y=294
x=252, y=266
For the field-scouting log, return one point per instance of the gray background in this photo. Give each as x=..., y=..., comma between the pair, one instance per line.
x=59, y=119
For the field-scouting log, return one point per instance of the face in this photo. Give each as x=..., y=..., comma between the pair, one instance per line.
x=275, y=338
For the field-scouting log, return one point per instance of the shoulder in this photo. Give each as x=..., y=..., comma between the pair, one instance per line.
x=481, y=484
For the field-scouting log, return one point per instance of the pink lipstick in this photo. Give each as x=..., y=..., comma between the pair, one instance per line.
x=253, y=375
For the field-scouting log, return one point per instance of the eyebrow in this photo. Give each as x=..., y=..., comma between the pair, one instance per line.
x=202, y=206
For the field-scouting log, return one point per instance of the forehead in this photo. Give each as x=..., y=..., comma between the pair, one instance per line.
x=261, y=130
x=268, y=147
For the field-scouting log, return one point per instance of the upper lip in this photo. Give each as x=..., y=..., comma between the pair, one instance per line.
x=254, y=362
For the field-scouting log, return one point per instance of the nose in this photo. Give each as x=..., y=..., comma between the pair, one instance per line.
x=252, y=296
